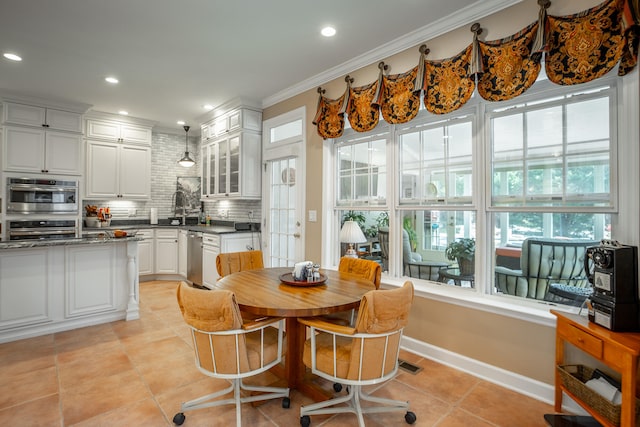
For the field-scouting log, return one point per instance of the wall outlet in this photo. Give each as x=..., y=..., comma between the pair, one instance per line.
x=132, y=212
x=223, y=213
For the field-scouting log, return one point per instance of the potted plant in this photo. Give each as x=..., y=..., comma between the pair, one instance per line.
x=463, y=251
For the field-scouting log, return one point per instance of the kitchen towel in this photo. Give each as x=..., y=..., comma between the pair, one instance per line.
x=153, y=215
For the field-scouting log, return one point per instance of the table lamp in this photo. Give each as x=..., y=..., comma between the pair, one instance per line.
x=351, y=233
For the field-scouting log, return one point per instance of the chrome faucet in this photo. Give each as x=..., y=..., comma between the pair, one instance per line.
x=174, y=201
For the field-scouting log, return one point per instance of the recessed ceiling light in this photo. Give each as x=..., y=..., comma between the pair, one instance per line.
x=12, y=56
x=181, y=122
x=207, y=107
x=111, y=80
x=123, y=112
x=328, y=31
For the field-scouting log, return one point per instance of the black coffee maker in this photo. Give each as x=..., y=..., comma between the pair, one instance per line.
x=614, y=302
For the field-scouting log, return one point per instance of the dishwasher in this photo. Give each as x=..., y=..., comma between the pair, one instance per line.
x=194, y=258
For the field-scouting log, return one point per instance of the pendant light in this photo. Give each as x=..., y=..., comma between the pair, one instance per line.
x=186, y=161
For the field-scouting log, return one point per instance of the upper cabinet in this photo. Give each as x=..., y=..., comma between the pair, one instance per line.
x=239, y=119
x=118, y=159
x=118, y=132
x=49, y=118
x=41, y=140
x=231, y=159
x=39, y=151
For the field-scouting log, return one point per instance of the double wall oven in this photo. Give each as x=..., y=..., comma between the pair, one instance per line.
x=41, y=208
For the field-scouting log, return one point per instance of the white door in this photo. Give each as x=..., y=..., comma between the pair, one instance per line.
x=283, y=188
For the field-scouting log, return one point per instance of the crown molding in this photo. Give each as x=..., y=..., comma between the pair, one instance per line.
x=101, y=115
x=465, y=16
x=224, y=108
x=19, y=98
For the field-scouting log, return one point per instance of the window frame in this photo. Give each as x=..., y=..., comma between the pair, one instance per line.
x=624, y=161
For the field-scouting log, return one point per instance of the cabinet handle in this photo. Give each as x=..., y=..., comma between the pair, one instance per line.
x=44, y=125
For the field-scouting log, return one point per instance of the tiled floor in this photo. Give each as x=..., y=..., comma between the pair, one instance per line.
x=137, y=373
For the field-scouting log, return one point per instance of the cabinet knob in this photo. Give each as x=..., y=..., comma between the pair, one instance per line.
x=44, y=125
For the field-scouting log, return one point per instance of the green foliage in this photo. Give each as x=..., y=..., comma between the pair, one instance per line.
x=461, y=248
x=407, y=224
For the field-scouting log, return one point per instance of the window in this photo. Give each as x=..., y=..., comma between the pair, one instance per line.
x=362, y=171
x=436, y=162
x=537, y=170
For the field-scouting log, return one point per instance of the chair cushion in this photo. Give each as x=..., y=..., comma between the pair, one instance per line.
x=324, y=354
x=270, y=347
x=364, y=268
x=232, y=262
x=210, y=311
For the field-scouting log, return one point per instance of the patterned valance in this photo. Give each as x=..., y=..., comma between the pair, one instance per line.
x=576, y=49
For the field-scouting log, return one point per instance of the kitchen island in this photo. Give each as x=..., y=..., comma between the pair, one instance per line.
x=57, y=285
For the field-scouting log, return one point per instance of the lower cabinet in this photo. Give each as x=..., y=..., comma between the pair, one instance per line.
x=182, y=253
x=145, y=252
x=56, y=288
x=210, y=250
x=26, y=300
x=91, y=280
x=166, y=251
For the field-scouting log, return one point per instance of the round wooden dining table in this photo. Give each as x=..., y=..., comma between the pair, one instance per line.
x=262, y=292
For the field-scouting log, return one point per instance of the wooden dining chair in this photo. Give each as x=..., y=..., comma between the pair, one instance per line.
x=228, y=347
x=358, y=356
x=232, y=262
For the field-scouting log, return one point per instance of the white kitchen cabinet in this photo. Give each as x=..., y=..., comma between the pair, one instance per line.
x=239, y=242
x=118, y=171
x=231, y=167
x=210, y=250
x=50, y=118
x=232, y=154
x=166, y=251
x=238, y=119
x=145, y=252
x=41, y=151
x=115, y=131
x=182, y=252
x=26, y=299
x=49, y=289
x=91, y=281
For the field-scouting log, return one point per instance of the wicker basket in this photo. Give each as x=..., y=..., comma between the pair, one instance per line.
x=573, y=378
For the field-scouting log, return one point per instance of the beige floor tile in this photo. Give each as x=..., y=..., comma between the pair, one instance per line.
x=141, y=413
x=28, y=386
x=502, y=406
x=442, y=382
x=102, y=395
x=44, y=412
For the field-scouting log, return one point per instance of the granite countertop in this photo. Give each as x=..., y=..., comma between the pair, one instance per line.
x=212, y=229
x=21, y=244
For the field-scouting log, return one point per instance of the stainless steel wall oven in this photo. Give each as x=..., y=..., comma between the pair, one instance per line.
x=42, y=229
x=41, y=196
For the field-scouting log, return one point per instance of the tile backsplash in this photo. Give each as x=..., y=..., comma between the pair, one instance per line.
x=166, y=149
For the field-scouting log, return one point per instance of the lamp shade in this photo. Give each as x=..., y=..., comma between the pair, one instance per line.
x=351, y=233
x=186, y=161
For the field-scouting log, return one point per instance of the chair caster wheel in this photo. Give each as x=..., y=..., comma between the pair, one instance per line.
x=178, y=419
x=286, y=403
x=337, y=387
x=410, y=417
x=305, y=421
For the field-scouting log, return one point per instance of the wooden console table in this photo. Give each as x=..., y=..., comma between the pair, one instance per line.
x=618, y=350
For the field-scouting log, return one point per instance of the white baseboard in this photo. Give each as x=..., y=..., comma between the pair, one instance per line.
x=507, y=379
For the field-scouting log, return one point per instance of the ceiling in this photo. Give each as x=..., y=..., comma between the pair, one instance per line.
x=174, y=56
